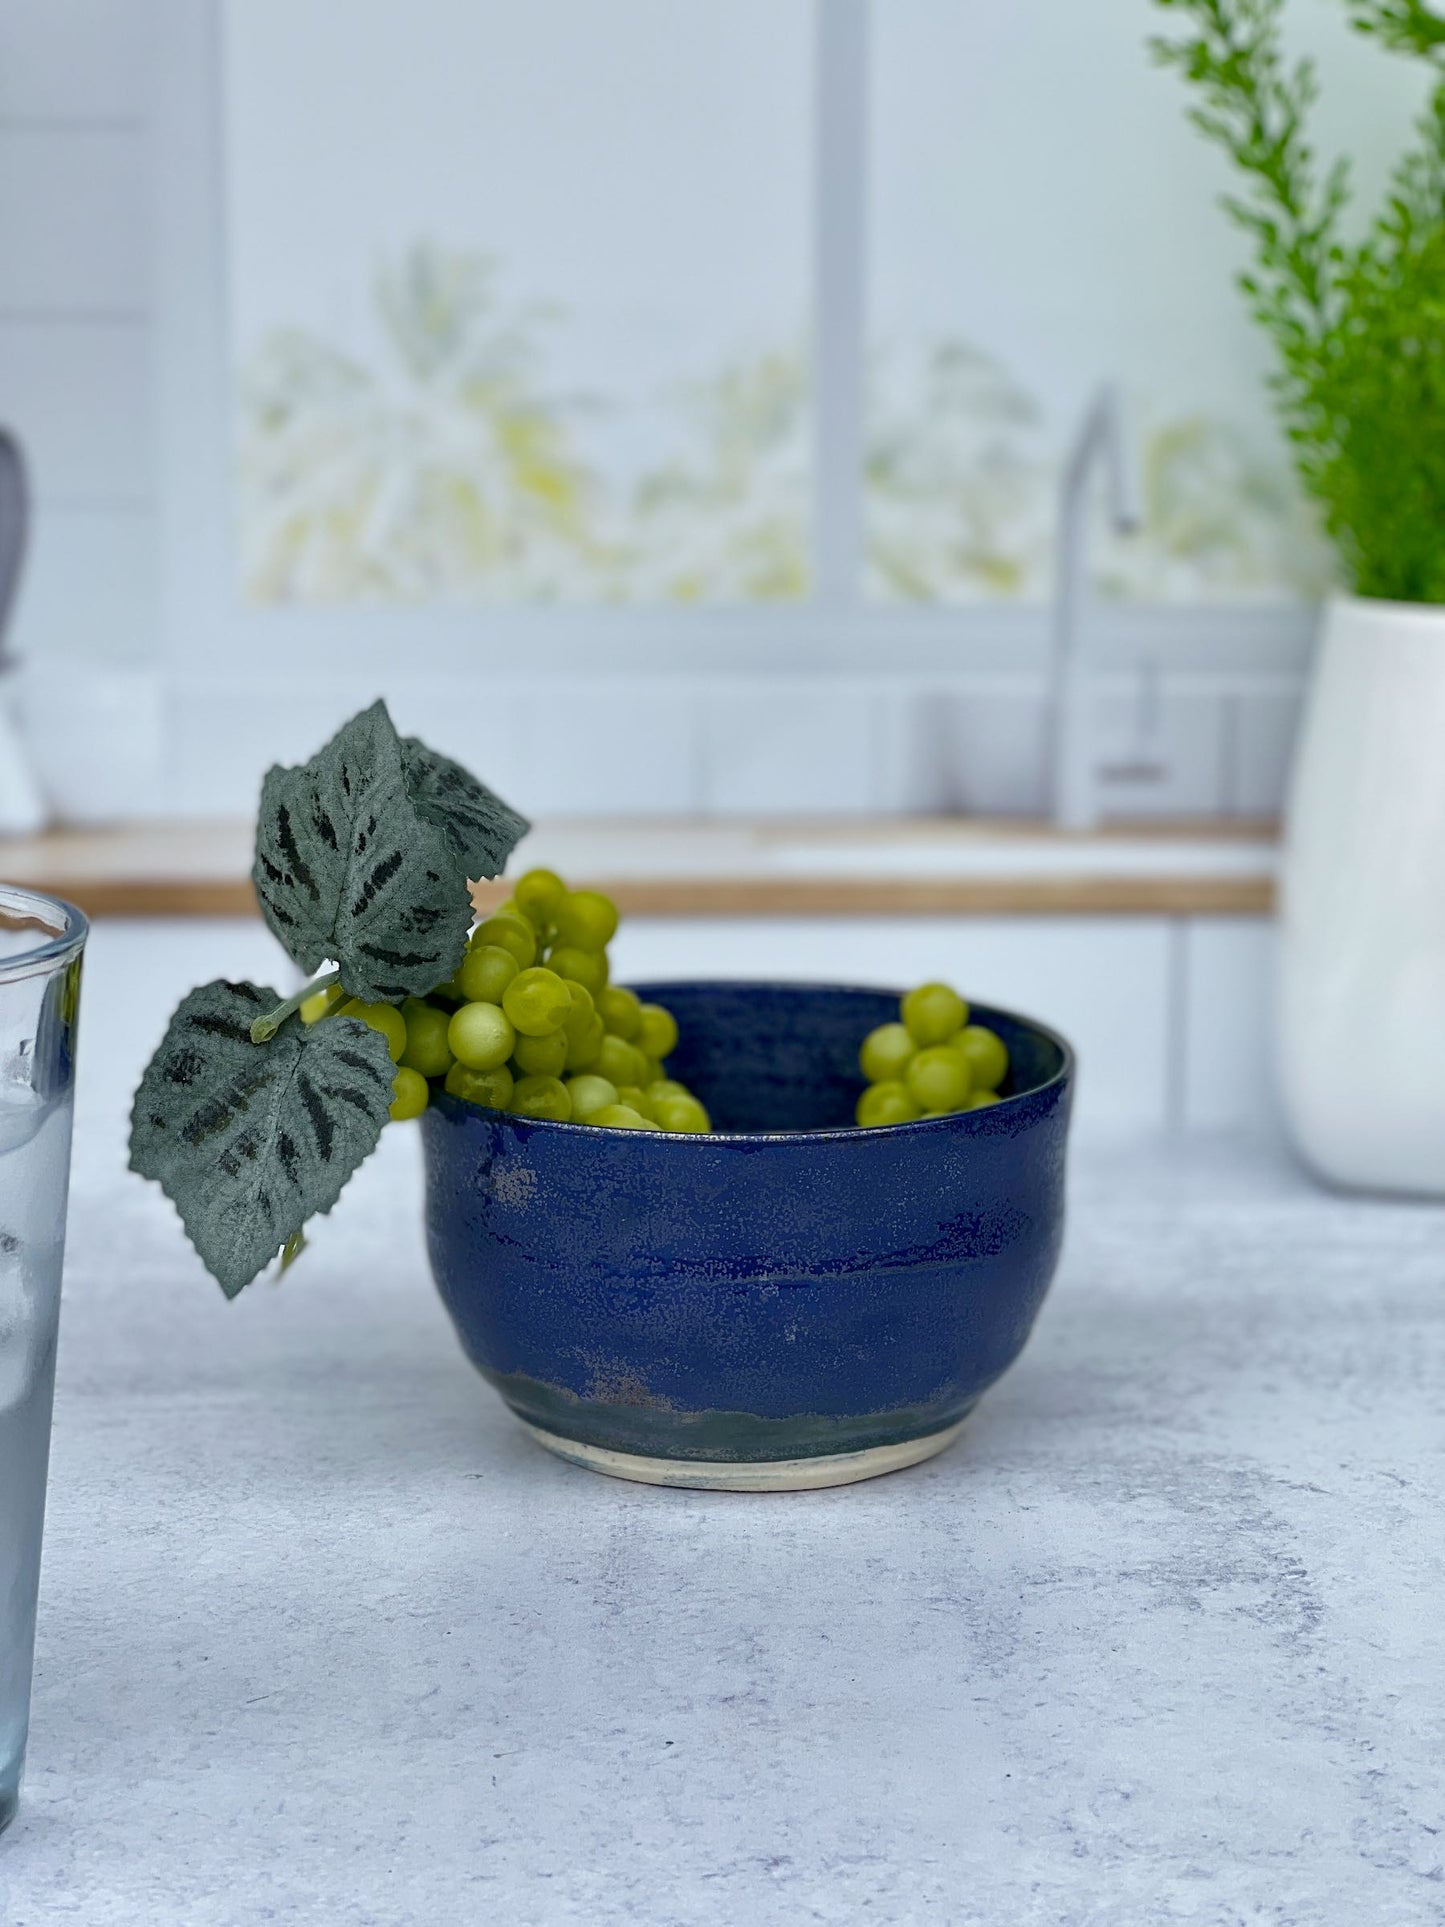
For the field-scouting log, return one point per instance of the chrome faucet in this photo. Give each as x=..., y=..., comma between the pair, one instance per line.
x=1103, y=435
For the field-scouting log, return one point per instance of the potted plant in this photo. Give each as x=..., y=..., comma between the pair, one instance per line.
x=1358, y=330
x=816, y=1290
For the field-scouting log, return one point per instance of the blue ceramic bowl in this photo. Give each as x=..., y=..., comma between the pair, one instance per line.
x=788, y=1302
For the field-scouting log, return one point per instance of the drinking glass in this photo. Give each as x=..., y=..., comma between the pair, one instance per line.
x=41, y=942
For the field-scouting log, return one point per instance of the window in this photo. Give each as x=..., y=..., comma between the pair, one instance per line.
x=1042, y=220
x=782, y=305
x=519, y=299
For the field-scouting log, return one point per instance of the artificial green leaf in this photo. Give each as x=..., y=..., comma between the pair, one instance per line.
x=350, y=868
x=482, y=829
x=250, y=1140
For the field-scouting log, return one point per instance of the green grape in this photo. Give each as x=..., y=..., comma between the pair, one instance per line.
x=427, y=1049
x=660, y=1087
x=481, y=1036
x=409, y=1094
x=619, y=1117
x=542, y=1097
x=986, y=1055
x=321, y=1003
x=486, y=971
x=539, y=895
x=933, y=1013
x=540, y=1056
x=654, y=1068
x=511, y=933
x=621, y=1061
x=620, y=1012
x=537, y=1001
x=581, y=1011
x=636, y=1099
x=511, y=908
x=885, y=1053
x=683, y=1114
x=937, y=1079
x=491, y=1089
x=585, y=967
x=656, y=1031
x=589, y=1094
x=887, y=1103
x=583, y=1052
x=385, y=1018
x=981, y=1100
x=586, y=919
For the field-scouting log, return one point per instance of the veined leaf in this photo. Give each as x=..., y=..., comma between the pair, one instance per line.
x=250, y=1140
x=350, y=867
x=482, y=829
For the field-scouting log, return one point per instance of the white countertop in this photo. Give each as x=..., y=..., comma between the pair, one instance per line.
x=325, y=1639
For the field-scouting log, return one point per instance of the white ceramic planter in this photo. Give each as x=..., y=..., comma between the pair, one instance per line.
x=1361, y=985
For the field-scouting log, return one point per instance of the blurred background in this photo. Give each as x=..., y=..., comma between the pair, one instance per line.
x=662, y=401
x=666, y=404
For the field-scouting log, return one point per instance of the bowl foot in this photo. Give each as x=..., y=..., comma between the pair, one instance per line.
x=762, y=1475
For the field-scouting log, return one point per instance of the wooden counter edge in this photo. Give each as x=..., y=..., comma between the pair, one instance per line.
x=756, y=897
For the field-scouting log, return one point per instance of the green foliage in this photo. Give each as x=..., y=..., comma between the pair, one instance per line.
x=362, y=855
x=1406, y=25
x=480, y=827
x=1358, y=330
x=252, y=1122
x=249, y=1140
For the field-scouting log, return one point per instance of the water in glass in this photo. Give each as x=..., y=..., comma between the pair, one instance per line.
x=36, y=1100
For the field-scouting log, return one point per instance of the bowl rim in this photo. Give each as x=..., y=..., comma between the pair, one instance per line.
x=950, y=1120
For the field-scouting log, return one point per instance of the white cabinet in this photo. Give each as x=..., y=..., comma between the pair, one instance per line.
x=1169, y=1016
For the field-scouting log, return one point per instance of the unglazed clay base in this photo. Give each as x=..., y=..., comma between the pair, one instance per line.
x=764, y=1475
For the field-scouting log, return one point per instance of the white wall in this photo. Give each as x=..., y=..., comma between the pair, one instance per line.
x=76, y=374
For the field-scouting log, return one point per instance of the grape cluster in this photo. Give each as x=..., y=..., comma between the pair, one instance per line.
x=531, y=1023
x=932, y=1061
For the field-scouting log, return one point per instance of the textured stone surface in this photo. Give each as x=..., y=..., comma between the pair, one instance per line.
x=325, y=1639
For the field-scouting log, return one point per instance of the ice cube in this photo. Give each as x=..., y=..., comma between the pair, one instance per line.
x=22, y=1108
x=21, y=1116
x=26, y=1316
x=34, y=1169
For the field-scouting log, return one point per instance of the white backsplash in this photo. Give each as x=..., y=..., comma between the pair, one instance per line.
x=751, y=746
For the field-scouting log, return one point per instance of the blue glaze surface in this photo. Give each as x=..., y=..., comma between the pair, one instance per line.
x=787, y=1287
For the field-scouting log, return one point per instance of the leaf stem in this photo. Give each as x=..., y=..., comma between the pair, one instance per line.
x=266, y=1027
x=291, y=1251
